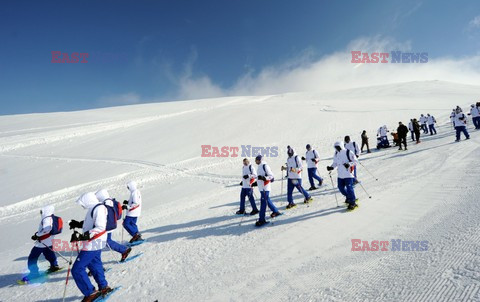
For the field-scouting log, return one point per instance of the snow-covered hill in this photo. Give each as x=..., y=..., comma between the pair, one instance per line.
x=197, y=249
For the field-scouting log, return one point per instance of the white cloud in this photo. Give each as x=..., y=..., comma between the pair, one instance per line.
x=335, y=71
x=475, y=22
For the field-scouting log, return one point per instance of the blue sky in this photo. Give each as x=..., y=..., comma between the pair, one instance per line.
x=143, y=51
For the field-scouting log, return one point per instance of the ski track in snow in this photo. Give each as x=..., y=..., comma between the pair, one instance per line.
x=198, y=248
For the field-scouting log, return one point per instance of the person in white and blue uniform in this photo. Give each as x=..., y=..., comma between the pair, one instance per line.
x=460, y=121
x=43, y=245
x=249, y=175
x=353, y=147
x=345, y=161
x=90, y=244
x=264, y=179
x=475, y=113
x=294, y=169
x=312, y=159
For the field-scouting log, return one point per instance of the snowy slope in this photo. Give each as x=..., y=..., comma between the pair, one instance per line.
x=198, y=249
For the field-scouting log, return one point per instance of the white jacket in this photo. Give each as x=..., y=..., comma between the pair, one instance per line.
x=340, y=158
x=410, y=126
x=452, y=115
x=45, y=227
x=422, y=119
x=382, y=131
x=353, y=146
x=264, y=170
x=252, y=175
x=431, y=120
x=460, y=120
x=95, y=223
x=294, y=166
x=475, y=111
x=135, y=200
x=312, y=158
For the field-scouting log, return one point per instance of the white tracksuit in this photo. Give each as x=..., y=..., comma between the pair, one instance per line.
x=353, y=146
x=460, y=119
x=475, y=111
x=95, y=222
x=268, y=175
x=252, y=175
x=294, y=167
x=422, y=119
x=310, y=156
x=340, y=158
x=45, y=226
x=382, y=131
x=431, y=120
x=135, y=200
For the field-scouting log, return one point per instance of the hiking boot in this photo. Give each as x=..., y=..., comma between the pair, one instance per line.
x=53, y=269
x=254, y=212
x=312, y=188
x=240, y=212
x=320, y=183
x=92, y=297
x=137, y=237
x=260, y=223
x=291, y=205
x=352, y=207
x=125, y=254
x=308, y=200
x=275, y=214
x=105, y=291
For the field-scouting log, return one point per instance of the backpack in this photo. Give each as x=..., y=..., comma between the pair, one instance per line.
x=57, y=225
x=266, y=174
x=111, y=215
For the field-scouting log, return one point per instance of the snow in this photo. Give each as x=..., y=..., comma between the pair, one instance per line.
x=197, y=248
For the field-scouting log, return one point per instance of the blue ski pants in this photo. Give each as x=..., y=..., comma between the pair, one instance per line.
x=345, y=185
x=93, y=261
x=312, y=174
x=33, y=258
x=130, y=224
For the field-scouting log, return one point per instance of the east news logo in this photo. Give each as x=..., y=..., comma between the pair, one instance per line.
x=394, y=56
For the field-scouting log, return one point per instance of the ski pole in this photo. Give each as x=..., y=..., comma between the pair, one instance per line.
x=334, y=191
x=123, y=228
x=68, y=271
x=113, y=254
x=54, y=251
x=367, y=170
x=364, y=190
x=281, y=192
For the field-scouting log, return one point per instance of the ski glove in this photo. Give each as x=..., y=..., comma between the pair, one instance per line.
x=262, y=177
x=75, y=224
x=80, y=237
x=303, y=158
x=125, y=202
x=245, y=176
x=35, y=237
x=346, y=165
x=125, y=207
x=314, y=160
x=329, y=168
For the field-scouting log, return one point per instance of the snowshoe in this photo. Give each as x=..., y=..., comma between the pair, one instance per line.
x=260, y=223
x=312, y=188
x=291, y=206
x=308, y=200
x=254, y=212
x=125, y=254
x=273, y=215
x=239, y=212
